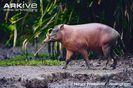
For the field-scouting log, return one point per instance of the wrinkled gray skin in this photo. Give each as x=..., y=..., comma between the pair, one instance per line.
x=85, y=37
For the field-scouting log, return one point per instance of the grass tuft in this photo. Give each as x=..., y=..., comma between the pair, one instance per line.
x=22, y=60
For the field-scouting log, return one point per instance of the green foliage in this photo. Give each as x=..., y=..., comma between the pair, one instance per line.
x=22, y=60
x=8, y=27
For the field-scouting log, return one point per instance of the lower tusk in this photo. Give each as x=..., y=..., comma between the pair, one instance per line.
x=39, y=49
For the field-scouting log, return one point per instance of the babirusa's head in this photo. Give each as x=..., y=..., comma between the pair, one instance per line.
x=55, y=33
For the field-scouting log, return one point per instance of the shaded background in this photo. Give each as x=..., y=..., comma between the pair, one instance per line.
x=20, y=28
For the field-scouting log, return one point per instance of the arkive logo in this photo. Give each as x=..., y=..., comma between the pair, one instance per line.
x=30, y=7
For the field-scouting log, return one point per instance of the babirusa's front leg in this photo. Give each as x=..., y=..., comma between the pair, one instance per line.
x=68, y=58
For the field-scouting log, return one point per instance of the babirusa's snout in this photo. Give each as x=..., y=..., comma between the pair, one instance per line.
x=47, y=39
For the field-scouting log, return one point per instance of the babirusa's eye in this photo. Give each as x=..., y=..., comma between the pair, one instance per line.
x=57, y=30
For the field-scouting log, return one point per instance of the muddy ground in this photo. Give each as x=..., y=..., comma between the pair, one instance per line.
x=75, y=76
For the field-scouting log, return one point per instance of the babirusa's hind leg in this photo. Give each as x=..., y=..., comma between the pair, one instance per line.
x=114, y=62
x=85, y=56
x=107, y=62
x=106, y=52
x=68, y=58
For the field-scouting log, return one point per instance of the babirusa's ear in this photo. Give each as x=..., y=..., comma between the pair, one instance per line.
x=50, y=30
x=62, y=27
